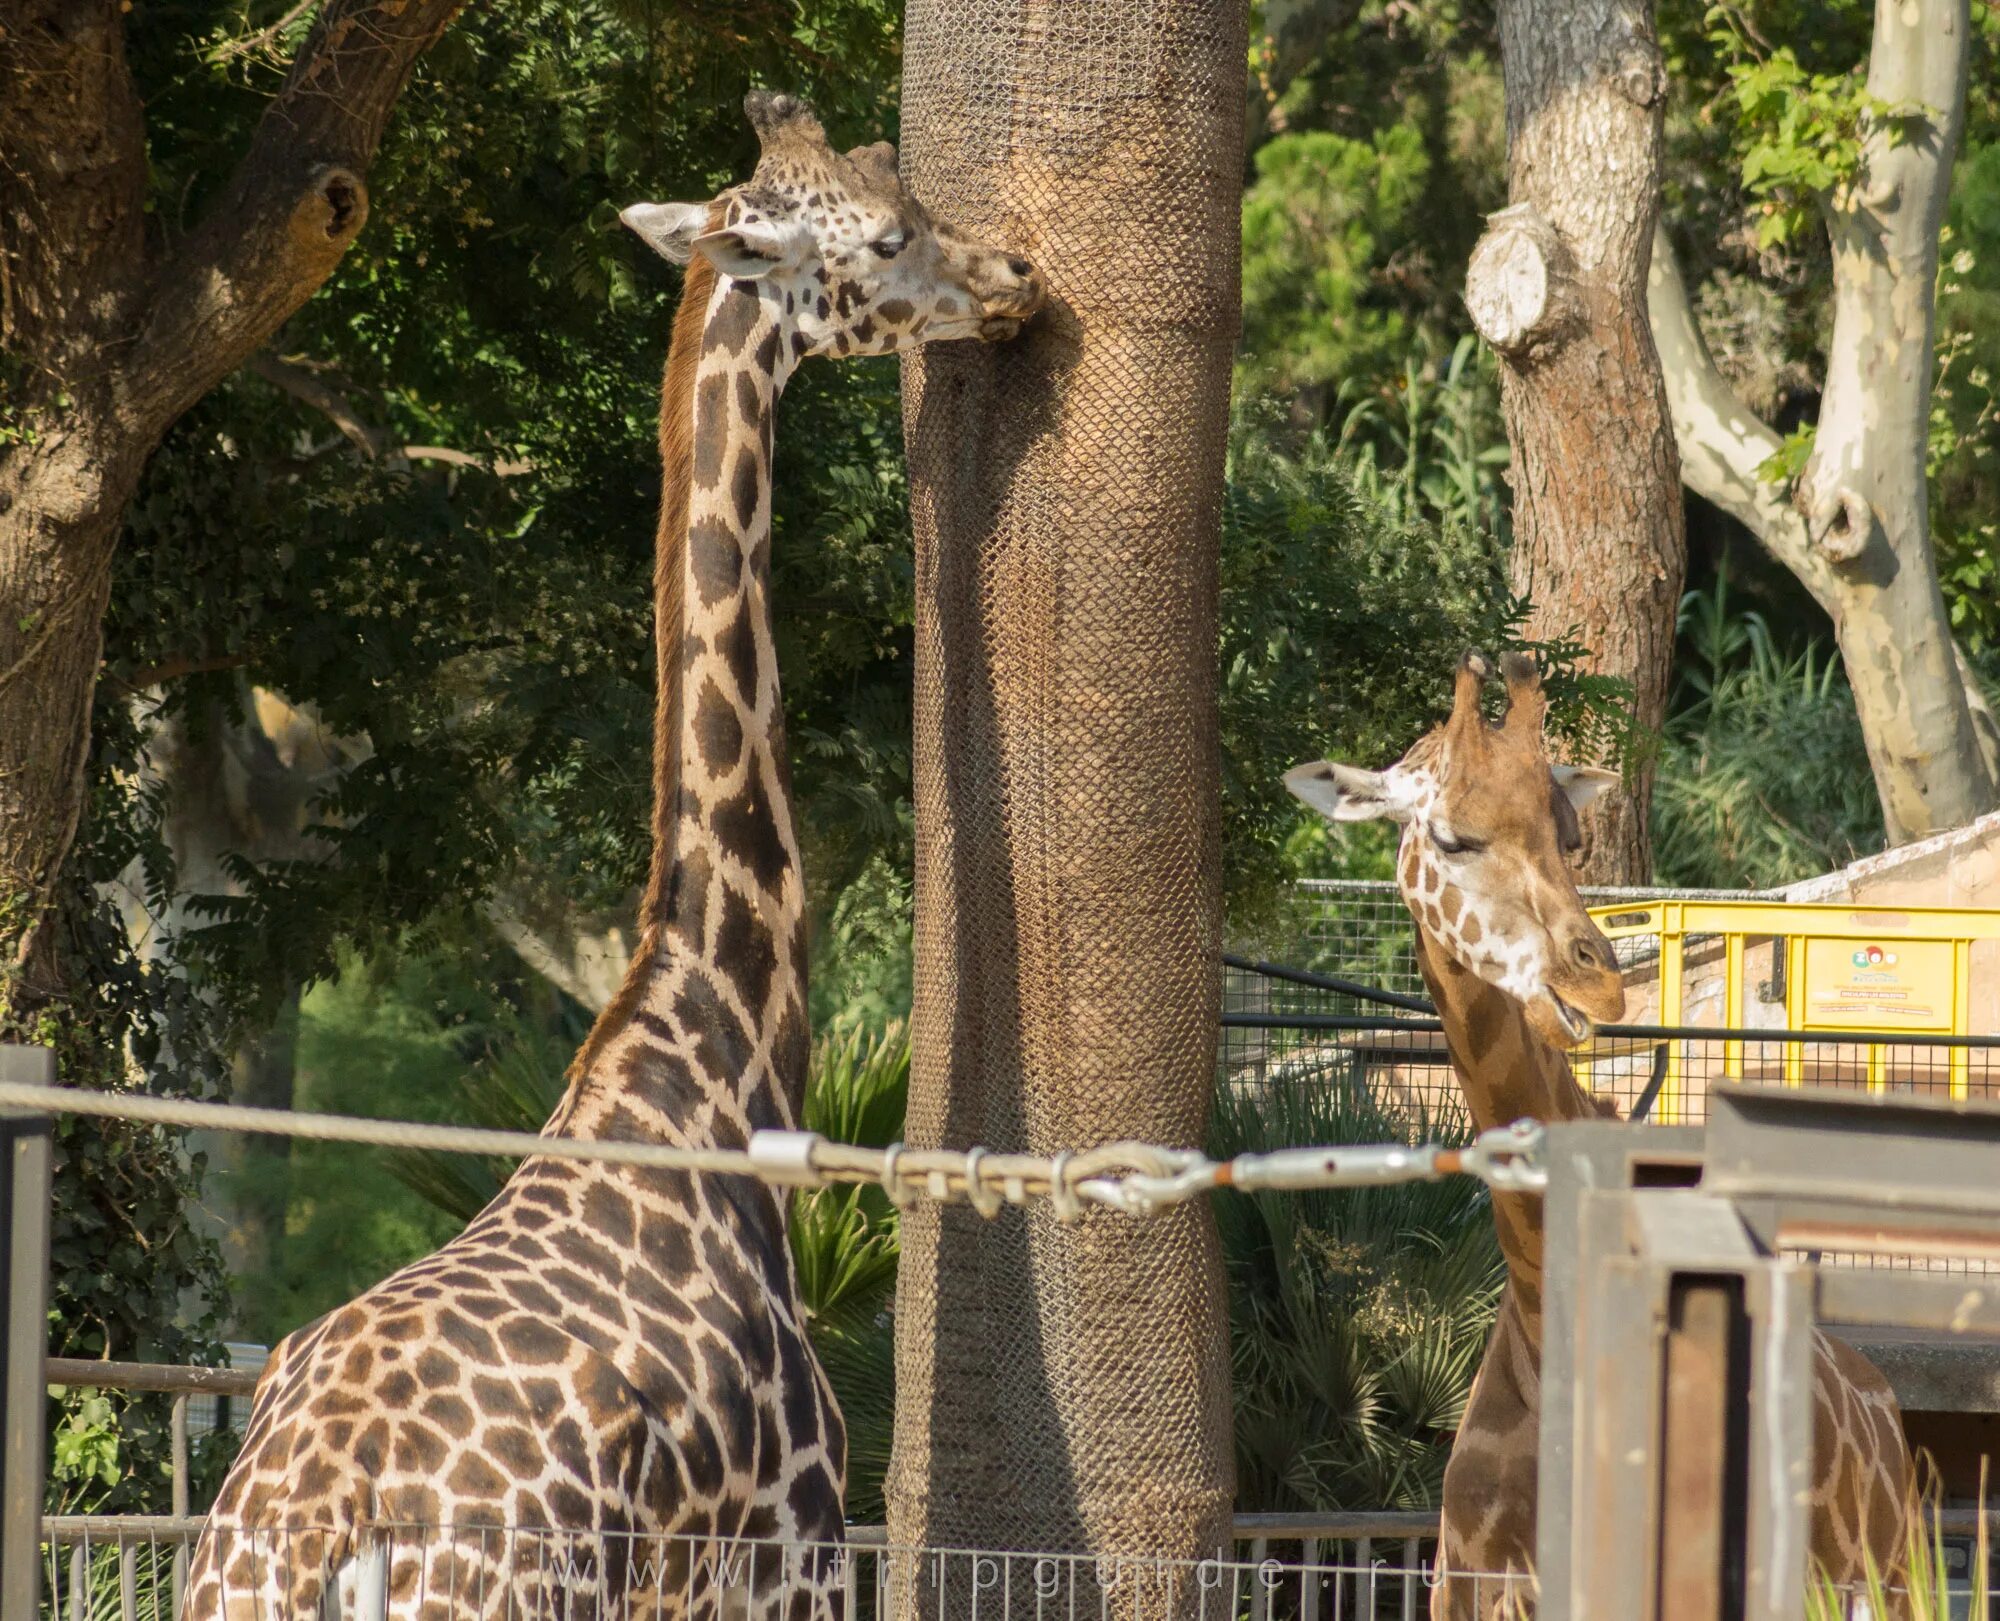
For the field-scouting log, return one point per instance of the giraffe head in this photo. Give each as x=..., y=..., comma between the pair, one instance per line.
x=1488, y=827
x=856, y=263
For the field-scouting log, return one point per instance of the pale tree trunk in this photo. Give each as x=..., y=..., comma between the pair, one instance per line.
x=112, y=334
x=583, y=954
x=1557, y=286
x=1856, y=531
x=238, y=788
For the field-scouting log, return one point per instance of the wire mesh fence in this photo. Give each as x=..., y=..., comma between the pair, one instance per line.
x=1359, y=930
x=128, y=1571
x=113, y=1570
x=1665, y=1073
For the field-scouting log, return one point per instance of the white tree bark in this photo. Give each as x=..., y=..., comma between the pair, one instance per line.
x=585, y=957
x=1857, y=533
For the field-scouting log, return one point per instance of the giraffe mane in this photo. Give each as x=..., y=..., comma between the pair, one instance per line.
x=669, y=626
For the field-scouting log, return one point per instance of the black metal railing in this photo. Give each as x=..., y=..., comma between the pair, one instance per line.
x=1303, y=1025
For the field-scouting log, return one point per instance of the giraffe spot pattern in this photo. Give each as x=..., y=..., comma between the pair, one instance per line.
x=718, y=730
x=711, y=430
x=747, y=485
x=715, y=561
x=746, y=826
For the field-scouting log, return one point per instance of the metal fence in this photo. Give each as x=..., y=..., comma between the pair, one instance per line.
x=1663, y=1073
x=1359, y=930
x=118, y=1571
x=1316, y=1568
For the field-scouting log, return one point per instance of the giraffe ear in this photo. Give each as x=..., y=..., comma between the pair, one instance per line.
x=1345, y=793
x=669, y=229
x=753, y=248
x=1580, y=784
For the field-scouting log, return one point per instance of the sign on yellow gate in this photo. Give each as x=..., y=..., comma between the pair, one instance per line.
x=1875, y=969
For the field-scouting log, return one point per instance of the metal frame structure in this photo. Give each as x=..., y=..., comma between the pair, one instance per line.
x=24, y=1193
x=1681, y=1300
x=1797, y=926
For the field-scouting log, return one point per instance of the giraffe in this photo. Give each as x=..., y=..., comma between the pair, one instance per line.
x=1520, y=974
x=605, y=1350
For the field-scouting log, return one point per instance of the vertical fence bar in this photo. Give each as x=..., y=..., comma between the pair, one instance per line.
x=24, y=1168
x=128, y=1581
x=1961, y=1016
x=1673, y=1096
x=79, y=1580
x=1411, y=1571
x=1732, y=1004
x=180, y=1495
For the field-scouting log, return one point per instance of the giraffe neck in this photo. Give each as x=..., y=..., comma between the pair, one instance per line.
x=713, y=1008
x=1506, y=1072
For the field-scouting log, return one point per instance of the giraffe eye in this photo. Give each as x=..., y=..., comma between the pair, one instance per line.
x=1459, y=846
x=887, y=247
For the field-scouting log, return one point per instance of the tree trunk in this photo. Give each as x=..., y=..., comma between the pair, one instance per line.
x=1557, y=287
x=1066, y=1387
x=112, y=335
x=1856, y=531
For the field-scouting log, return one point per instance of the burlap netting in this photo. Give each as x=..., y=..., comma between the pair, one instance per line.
x=1067, y=1388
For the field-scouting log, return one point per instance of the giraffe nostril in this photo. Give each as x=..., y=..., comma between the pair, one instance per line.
x=1020, y=267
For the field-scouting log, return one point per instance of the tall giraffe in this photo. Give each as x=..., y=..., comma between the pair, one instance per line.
x=606, y=1349
x=1520, y=974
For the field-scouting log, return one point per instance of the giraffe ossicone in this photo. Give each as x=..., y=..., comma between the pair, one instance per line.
x=1520, y=974
x=607, y=1350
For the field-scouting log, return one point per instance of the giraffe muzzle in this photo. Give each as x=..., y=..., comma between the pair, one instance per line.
x=1576, y=1024
x=1014, y=292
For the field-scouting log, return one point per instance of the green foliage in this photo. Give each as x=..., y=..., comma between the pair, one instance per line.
x=1317, y=223
x=1764, y=778
x=1785, y=464
x=1803, y=134
x=845, y=1246
x=1440, y=457
x=489, y=635
x=1357, y=1316
x=1965, y=426
x=132, y=1277
x=391, y=1037
x=84, y=1447
x=1341, y=624
x=1764, y=132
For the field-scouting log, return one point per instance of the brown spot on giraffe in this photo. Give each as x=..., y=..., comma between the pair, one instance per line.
x=1519, y=976
x=640, y=1360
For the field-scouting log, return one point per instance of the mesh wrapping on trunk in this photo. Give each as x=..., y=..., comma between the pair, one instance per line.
x=1067, y=1388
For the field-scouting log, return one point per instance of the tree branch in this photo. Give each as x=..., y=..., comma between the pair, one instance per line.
x=329, y=402
x=584, y=956
x=297, y=201
x=373, y=443
x=72, y=187
x=1722, y=442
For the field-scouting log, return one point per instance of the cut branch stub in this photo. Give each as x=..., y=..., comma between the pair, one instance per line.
x=1839, y=522
x=331, y=212
x=1520, y=286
